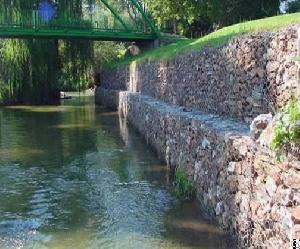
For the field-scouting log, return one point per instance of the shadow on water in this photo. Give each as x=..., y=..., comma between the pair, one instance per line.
x=76, y=176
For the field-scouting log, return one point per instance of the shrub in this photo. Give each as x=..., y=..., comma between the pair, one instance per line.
x=287, y=129
x=184, y=188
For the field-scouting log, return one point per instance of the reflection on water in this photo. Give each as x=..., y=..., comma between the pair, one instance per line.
x=74, y=176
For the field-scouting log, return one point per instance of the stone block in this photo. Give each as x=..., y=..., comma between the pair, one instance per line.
x=291, y=179
x=296, y=214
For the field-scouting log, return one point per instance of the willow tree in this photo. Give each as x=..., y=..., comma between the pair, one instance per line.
x=32, y=70
x=14, y=70
x=29, y=66
x=76, y=54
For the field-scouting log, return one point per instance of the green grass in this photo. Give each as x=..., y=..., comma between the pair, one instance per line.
x=214, y=39
x=183, y=186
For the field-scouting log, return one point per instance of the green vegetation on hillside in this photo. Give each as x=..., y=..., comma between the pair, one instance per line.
x=287, y=129
x=193, y=18
x=214, y=39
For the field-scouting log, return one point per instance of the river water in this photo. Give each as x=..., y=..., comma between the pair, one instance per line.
x=75, y=176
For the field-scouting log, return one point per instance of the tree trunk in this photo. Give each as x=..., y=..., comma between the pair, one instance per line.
x=174, y=23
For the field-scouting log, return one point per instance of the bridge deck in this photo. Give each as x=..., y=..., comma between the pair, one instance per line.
x=99, y=20
x=61, y=33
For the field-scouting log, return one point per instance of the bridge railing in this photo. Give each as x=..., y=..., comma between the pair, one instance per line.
x=101, y=19
x=35, y=19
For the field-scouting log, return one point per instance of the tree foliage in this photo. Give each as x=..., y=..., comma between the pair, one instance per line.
x=76, y=58
x=29, y=70
x=176, y=13
x=107, y=51
x=226, y=12
x=35, y=70
x=186, y=16
x=293, y=6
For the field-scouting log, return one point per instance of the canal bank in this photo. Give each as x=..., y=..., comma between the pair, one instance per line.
x=195, y=111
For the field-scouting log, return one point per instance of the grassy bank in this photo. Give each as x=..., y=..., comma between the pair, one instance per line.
x=214, y=39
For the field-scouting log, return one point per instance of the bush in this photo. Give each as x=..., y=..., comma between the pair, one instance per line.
x=106, y=52
x=184, y=188
x=287, y=129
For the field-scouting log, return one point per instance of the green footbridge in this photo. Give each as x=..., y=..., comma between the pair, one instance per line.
x=117, y=20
